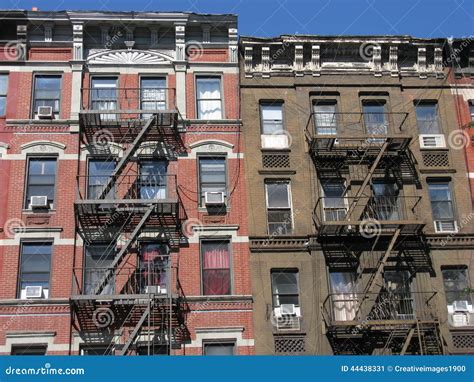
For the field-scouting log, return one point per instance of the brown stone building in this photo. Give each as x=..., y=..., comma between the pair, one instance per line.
x=360, y=215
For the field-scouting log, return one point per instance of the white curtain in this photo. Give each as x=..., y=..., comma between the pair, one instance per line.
x=344, y=298
x=209, y=95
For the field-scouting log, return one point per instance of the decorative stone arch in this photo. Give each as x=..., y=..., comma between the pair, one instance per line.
x=129, y=57
x=43, y=147
x=216, y=146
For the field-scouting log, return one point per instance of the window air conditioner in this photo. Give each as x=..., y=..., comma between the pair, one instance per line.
x=445, y=226
x=432, y=141
x=214, y=198
x=45, y=112
x=39, y=202
x=34, y=291
x=287, y=309
x=461, y=306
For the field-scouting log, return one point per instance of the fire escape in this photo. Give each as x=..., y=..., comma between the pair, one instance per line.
x=128, y=298
x=367, y=227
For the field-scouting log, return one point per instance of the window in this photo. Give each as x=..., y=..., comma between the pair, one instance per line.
x=96, y=350
x=47, y=93
x=280, y=220
x=99, y=174
x=154, y=268
x=456, y=284
x=29, y=349
x=471, y=109
x=153, y=179
x=219, y=348
x=41, y=179
x=35, y=269
x=209, y=99
x=427, y=118
x=442, y=206
x=212, y=176
x=104, y=95
x=99, y=258
x=375, y=118
x=325, y=117
x=334, y=202
x=397, y=285
x=385, y=203
x=285, y=287
x=152, y=94
x=215, y=267
x=272, y=118
x=344, y=299
x=3, y=93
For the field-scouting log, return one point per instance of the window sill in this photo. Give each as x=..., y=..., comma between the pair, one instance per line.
x=44, y=211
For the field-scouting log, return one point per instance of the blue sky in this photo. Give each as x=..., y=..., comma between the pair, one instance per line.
x=420, y=18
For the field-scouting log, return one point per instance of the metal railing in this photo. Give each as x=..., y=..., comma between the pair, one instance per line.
x=113, y=100
x=160, y=281
x=384, y=306
x=153, y=188
x=380, y=208
x=354, y=126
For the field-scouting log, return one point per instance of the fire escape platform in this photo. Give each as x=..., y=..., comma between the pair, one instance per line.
x=357, y=228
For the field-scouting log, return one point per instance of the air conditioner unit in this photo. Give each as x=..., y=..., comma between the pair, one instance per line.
x=214, y=198
x=446, y=226
x=45, y=112
x=287, y=309
x=155, y=289
x=432, y=141
x=459, y=319
x=35, y=291
x=461, y=306
x=39, y=202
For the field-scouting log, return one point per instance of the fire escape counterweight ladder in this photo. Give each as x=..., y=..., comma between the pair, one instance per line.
x=136, y=330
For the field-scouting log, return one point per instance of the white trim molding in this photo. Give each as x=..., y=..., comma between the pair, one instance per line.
x=226, y=334
x=212, y=146
x=43, y=148
x=33, y=338
x=129, y=57
x=203, y=232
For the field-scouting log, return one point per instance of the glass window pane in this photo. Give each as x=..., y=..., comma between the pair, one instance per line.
x=209, y=88
x=374, y=118
x=219, y=349
x=427, y=118
x=439, y=192
x=3, y=102
x=456, y=285
x=278, y=195
x=285, y=282
x=3, y=84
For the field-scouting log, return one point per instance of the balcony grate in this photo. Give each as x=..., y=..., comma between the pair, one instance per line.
x=439, y=160
x=276, y=160
x=289, y=344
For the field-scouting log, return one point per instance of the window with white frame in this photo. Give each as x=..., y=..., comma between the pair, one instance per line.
x=334, y=200
x=212, y=180
x=216, y=272
x=3, y=93
x=219, y=348
x=458, y=294
x=47, y=92
x=35, y=270
x=285, y=288
x=41, y=180
x=325, y=117
x=209, y=97
x=272, y=123
x=442, y=206
x=279, y=214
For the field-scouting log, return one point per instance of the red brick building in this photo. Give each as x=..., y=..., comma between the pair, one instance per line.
x=122, y=199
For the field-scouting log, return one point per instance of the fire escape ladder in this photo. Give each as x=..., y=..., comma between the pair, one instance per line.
x=367, y=178
x=373, y=287
x=137, y=329
x=407, y=341
x=126, y=157
x=109, y=273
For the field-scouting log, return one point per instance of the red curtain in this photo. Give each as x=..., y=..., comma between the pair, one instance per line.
x=216, y=271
